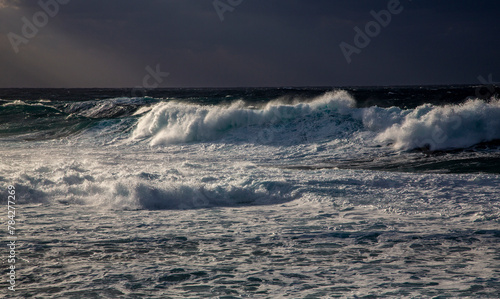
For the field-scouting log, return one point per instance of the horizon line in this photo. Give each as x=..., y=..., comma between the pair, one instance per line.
x=260, y=87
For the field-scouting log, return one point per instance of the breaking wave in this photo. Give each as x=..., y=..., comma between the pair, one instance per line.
x=74, y=183
x=426, y=126
x=444, y=127
x=175, y=122
x=330, y=116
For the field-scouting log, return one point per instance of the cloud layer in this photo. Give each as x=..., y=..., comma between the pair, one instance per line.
x=260, y=43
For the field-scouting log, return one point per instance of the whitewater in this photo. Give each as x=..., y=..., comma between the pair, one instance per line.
x=254, y=193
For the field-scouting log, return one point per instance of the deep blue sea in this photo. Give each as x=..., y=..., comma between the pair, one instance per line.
x=353, y=192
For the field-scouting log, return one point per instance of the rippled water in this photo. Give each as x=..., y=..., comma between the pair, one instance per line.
x=282, y=251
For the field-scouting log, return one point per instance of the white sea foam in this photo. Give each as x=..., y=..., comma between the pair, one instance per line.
x=195, y=176
x=119, y=180
x=444, y=127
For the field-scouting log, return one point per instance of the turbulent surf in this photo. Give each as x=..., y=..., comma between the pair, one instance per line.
x=311, y=191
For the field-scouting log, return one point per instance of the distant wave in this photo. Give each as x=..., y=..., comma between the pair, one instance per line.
x=283, y=121
x=43, y=119
x=38, y=121
x=110, y=108
x=175, y=122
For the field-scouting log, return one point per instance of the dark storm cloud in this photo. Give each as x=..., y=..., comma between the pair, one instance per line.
x=260, y=43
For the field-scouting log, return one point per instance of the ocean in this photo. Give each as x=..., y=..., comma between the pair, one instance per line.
x=352, y=192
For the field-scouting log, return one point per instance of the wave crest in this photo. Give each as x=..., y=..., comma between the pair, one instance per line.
x=175, y=122
x=109, y=108
x=445, y=127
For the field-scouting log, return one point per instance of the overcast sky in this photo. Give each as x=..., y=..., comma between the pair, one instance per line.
x=109, y=43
